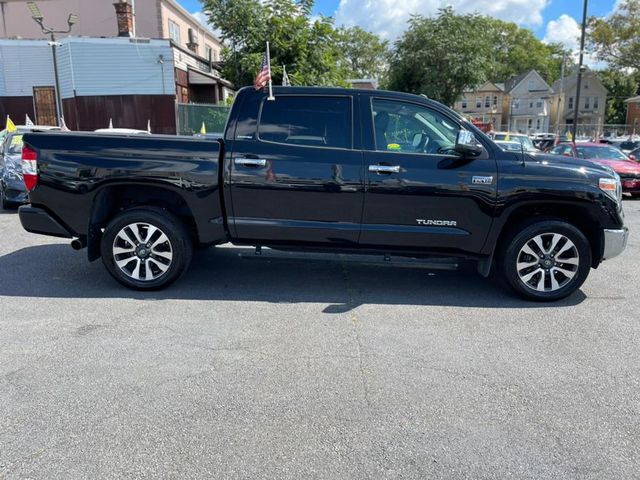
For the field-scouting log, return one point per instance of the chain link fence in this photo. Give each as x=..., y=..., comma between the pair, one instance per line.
x=191, y=116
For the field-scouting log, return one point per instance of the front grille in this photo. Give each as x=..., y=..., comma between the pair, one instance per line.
x=629, y=176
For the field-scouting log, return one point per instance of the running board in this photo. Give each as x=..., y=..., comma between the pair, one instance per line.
x=431, y=263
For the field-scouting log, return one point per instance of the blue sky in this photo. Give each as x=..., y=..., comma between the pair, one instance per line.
x=555, y=20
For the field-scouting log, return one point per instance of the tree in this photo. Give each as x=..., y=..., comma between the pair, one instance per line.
x=615, y=39
x=442, y=56
x=516, y=50
x=309, y=48
x=365, y=55
x=621, y=86
x=439, y=56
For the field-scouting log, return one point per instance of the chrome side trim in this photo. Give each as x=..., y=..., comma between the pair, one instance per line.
x=615, y=241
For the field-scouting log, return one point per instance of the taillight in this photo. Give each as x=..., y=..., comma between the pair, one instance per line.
x=29, y=167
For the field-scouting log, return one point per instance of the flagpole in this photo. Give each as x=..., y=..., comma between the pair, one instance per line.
x=271, y=97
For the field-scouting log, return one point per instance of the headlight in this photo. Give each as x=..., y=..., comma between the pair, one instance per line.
x=612, y=187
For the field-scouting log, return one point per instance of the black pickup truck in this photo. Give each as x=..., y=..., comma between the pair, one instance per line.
x=330, y=170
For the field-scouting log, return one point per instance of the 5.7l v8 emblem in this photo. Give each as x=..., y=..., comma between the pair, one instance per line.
x=481, y=180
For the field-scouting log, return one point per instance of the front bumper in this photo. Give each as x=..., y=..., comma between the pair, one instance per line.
x=615, y=241
x=36, y=220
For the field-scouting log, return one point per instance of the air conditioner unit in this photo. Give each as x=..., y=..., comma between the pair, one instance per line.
x=193, y=39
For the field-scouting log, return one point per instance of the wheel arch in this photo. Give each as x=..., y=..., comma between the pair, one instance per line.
x=113, y=199
x=578, y=216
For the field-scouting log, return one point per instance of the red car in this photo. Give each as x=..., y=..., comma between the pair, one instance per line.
x=627, y=167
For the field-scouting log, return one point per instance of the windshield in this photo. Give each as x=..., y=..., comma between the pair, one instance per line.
x=602, y=153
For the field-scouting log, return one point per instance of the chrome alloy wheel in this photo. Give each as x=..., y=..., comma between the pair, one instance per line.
x=547, y=262
x=142, y=252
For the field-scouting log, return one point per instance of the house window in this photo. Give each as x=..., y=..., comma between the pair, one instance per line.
x=570, y=103
x=478, y=102
x=586, y=85
x=465, y=104
x=587, y=103
x=516, y=103
x=539, y=103
x=495, y=100
x=208, y=53
x=174, y=31
x=530, y=123
x=487, y=101
x=596, y=102
x=531, y=103
x=537, y=124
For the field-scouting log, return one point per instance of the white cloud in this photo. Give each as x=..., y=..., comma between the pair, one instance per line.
x=565, y=30
x=388, y=18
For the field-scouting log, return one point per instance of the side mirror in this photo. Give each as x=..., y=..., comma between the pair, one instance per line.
x=467, y=145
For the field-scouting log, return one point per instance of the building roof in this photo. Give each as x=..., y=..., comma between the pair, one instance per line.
x=571, y=80
x=513, y=82
x=633, y=99
x=185, y=12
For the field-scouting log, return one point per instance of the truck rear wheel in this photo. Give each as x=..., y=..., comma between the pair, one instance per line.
x=546, y=260
x=146, y=248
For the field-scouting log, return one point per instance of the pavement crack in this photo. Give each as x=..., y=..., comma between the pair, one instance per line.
x=351, y=301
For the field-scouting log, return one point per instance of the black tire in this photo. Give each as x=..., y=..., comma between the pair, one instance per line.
x=163, y=271
x=559, y=279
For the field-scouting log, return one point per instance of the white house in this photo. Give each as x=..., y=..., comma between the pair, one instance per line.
x=529, y=106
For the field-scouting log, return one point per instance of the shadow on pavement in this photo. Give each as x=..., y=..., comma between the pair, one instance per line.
x=235, y=274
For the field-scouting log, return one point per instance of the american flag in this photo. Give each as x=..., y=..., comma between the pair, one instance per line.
x=264, y=75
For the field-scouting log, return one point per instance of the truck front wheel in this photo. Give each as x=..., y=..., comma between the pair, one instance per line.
x=546, y=260
x=146, y=248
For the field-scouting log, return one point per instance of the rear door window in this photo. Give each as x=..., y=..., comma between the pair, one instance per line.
x=307, y=120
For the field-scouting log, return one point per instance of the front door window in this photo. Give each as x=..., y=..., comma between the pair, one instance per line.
x=410, y=128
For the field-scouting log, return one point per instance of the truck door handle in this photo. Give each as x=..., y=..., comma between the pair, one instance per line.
x=384, y=168
x=251, y=162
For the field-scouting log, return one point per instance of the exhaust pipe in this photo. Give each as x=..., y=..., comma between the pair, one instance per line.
x=78, y=244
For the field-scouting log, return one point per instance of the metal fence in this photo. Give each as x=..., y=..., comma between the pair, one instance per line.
x=191, y=116
x=588, y=130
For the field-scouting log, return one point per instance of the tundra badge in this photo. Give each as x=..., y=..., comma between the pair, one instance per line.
x=437, y=223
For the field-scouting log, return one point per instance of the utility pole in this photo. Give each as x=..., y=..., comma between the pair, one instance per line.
x=560, y=100
x=580, y=70
x=39, y=19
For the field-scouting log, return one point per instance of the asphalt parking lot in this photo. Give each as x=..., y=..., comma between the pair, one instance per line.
x=279, y=368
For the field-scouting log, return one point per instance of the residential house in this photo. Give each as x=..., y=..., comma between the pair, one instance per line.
x=593, y=101
x=364, y=83
x=633, y=113
x=528, y=108
x=130, y=80
x=97, y=18
x=483, y=103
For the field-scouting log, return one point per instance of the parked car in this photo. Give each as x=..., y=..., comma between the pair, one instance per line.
x=509, y=146
x=324, y=169
x=635, y=154
x=12, y=189
x=524, y=140
x=629, y=146
x=628, y=169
